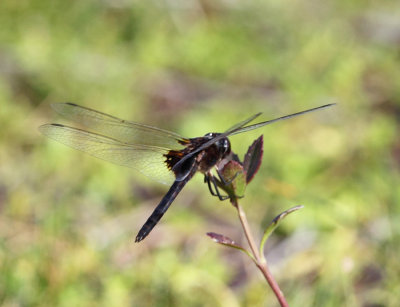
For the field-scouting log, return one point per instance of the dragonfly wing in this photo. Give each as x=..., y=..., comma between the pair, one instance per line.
x=149, y=160
x=122, y=130
x=242, y=123
x=241, y=129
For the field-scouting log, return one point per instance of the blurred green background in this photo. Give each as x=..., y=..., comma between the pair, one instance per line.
x=68, y=221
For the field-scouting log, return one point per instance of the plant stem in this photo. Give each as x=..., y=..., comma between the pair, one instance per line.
x=260, y=260
x=247, y=231
x=273, y=284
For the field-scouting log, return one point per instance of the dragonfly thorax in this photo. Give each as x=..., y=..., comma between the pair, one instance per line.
x=210, y=156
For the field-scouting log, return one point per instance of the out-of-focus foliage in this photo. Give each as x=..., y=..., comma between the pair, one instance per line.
x=67, y=220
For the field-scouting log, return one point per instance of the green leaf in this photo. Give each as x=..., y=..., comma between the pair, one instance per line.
x=274, y=224
x=233, y=171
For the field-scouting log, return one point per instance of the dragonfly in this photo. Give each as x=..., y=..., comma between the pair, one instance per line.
x=159, y=154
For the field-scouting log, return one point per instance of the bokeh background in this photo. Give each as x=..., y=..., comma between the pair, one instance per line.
x=68, y=221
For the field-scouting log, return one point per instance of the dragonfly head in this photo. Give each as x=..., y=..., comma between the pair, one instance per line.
x=223, y=145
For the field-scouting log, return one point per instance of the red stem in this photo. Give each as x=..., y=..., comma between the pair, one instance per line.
x=273, y=284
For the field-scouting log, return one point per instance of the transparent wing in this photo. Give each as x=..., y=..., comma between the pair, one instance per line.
x=238, y=128
x=242, y=123
x=241, y=129
x=122, y=130
x=149, y=160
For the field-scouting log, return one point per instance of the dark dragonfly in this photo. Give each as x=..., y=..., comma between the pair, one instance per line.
x=159, y=154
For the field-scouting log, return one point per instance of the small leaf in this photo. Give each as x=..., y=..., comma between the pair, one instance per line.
x=253, y=158
x=274, y=224
x=233, y=171
x=221, y=239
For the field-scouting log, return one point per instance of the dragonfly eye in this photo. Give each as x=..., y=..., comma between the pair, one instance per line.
x=227, y=146
x=210, y=135
x=224, y=146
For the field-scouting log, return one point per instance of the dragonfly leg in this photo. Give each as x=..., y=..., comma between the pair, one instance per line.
x=207, y=179
x=213, y=186
x=229, y=181
x=223, y=180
